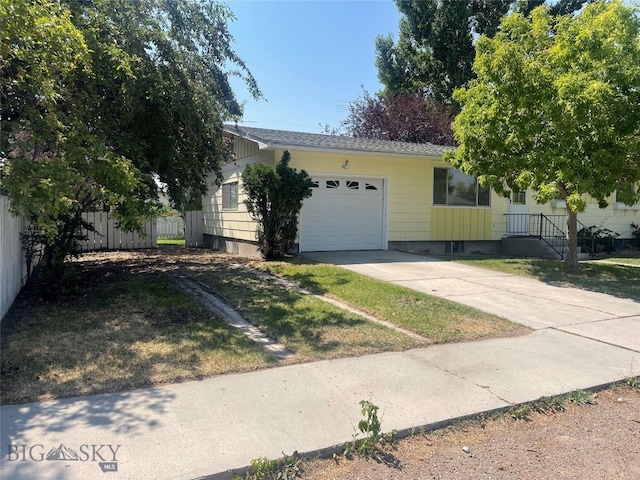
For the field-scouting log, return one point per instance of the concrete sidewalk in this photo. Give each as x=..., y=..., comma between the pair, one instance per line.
x=200, y=429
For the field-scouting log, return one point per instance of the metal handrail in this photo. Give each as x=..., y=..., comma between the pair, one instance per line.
x=541, y=226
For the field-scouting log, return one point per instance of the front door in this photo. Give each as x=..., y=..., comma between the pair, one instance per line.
x=518, y=223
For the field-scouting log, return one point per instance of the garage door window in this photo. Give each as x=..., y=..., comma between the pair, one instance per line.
x=453, y=187
x=230, y=196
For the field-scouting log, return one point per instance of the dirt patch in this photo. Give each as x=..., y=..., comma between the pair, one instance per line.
x=600, y=441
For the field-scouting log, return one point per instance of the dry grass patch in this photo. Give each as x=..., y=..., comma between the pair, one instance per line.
x=125, y=334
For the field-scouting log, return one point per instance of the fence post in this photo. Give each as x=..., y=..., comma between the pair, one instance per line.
x=541, y=219
x=193, y=234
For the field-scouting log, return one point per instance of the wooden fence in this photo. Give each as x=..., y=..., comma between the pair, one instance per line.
x=107, y=237
x=170, y=227
x=13, y=270
x=193, y=228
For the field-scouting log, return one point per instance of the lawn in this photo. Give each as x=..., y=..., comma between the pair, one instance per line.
x=618, y=280
x=621, y=260
x=309, y=327
x=433, y=317
x=170, y=241
x=124, y=325
x=123, y=334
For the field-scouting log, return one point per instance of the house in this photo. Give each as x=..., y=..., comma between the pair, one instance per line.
x=376, y=195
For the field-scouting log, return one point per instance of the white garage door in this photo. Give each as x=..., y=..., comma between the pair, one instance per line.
x=343, y=214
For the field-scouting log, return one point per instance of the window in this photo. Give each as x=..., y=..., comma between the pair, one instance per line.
x=230, y=196
x=332, y=183
x=452, y=187
x=519, y=198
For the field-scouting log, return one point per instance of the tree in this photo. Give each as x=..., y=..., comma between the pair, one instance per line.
x=556, y=107
x=101, y=98
x=404, y=117
x=274, y=200
x=435, y=49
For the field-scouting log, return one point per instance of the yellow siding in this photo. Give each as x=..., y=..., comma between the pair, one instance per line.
x=231, y=223
x=459, y=223
x=411, y=215
x=408, y=187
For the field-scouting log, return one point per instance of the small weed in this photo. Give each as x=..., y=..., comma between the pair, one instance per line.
x=285, y=468
x=632, y=382
x=581, y=397
x=370, y=426
x=551, y=404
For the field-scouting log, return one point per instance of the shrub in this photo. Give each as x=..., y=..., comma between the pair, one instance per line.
x=636, y=235
x=594, y=240
x=274, y=200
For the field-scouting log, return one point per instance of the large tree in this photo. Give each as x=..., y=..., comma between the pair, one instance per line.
x=435, y=48
x=556, y=107
x=102, y=98
x=405, y=117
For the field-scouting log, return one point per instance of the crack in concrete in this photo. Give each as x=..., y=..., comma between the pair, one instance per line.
x=484, y=387
x=586, y=337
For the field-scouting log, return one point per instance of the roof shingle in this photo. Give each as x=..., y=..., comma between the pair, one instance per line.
x=287, y=139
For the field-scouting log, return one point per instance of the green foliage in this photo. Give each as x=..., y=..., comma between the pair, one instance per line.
x=632, y=382
x=554, y=108
x=274, y=200
x=101, y=98
x=435, y=49
x=370, y=427
x=285, y=468
x=594, y=239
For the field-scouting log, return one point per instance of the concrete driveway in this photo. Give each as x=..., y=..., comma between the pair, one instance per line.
x=530, y=302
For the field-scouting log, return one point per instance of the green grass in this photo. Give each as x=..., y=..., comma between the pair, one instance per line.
x=170, y=241
x=621, y=259
x=307, y=326
x=124, y=334
x=438, y=319
x=618, y=280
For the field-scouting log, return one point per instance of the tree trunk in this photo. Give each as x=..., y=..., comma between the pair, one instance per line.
x=571, y=254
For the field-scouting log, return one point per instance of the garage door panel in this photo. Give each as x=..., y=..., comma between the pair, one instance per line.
x=343, y=214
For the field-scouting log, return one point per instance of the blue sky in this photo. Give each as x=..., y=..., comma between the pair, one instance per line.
x=309, y=58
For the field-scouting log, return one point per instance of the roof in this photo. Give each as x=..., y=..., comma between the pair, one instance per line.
x=268, y=139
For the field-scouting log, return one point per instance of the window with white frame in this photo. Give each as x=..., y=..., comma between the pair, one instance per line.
x=230, y=196
x=455, y=188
